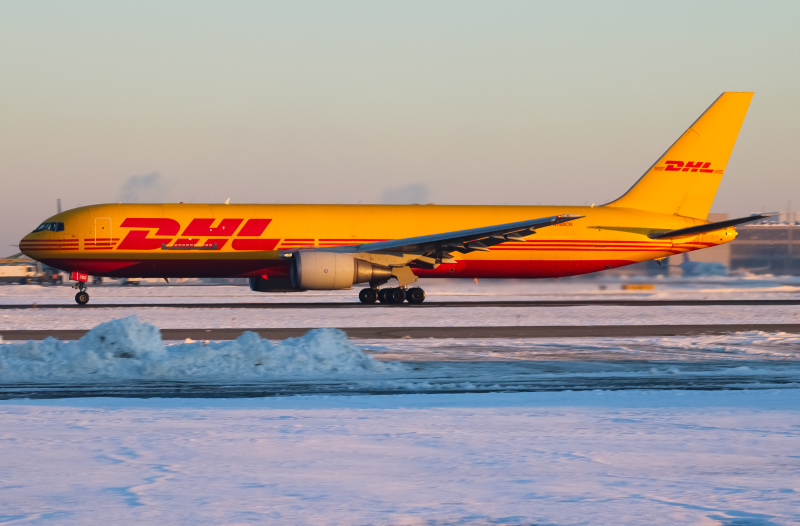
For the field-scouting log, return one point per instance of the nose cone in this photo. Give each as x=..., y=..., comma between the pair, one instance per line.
x=25, y=245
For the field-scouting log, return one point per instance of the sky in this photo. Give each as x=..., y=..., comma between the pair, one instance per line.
x=451, y=102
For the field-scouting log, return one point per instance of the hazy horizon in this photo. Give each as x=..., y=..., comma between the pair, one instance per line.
x=358, y=102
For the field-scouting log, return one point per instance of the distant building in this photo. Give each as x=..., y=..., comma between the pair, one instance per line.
x=767, y=248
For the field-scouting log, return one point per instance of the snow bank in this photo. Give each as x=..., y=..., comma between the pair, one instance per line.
x=129, y=349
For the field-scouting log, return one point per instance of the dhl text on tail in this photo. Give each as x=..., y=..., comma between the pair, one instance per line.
x=327, y=247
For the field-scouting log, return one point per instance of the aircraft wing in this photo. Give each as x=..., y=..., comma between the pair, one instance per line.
x=463, y=241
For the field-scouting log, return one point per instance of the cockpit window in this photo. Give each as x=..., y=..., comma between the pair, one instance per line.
x=52, y=226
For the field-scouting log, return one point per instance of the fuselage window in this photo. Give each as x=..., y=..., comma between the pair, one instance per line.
x=53, y=226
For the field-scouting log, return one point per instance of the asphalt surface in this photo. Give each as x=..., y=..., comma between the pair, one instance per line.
x=447, y=377
x=360, y=333
x=428, y=305
x=142, y=389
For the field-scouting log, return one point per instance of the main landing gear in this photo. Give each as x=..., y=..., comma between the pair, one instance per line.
x=392, y=295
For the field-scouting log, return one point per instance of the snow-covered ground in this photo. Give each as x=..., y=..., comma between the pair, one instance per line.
x=680, y=430
x=589, y=458
x=601, y=287
x=47, y=319
x=127, y=356
x=438, y=290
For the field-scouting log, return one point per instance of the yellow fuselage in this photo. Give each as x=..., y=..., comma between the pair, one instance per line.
x=195, y=240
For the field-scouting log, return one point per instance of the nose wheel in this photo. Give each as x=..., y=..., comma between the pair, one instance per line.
x=82, y=297
x=392, y=296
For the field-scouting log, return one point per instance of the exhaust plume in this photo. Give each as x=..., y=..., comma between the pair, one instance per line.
x=414, y=193
x=147, y=188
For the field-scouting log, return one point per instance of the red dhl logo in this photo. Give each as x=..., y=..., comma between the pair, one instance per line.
x=151, y=233
x=680, y=166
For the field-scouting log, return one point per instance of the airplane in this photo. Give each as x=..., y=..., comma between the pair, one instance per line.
x=292, y=248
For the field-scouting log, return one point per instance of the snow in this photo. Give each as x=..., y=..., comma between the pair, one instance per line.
x=677, y=430
x=624, y=458
x=728, y=348
x=129, y=349
x=598, y=286
x=52, y=319
x=382, y=316
x=325, y=361
x=438, y=290
x=401, y=317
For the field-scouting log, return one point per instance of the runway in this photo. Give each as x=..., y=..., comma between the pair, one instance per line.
x=428, y=305
x=390, y=333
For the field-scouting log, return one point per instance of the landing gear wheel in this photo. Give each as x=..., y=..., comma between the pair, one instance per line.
x=82, y=298
x=383, y=296
x=415, y=295
x=368, y=296
x=397, y=295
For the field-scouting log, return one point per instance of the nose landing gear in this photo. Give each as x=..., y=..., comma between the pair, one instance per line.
x=82, y=297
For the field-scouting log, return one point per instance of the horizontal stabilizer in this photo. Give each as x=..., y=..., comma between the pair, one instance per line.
x=708, y=227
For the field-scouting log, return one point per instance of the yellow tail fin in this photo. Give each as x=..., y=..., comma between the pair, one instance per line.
x=685, y=179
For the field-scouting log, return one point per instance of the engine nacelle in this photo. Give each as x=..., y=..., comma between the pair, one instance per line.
x=315, y=270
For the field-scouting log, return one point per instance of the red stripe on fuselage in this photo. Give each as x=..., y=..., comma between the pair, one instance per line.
x=171, y=268
x=227, y=268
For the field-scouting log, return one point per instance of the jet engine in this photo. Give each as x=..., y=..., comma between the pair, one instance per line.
x=315, y=270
